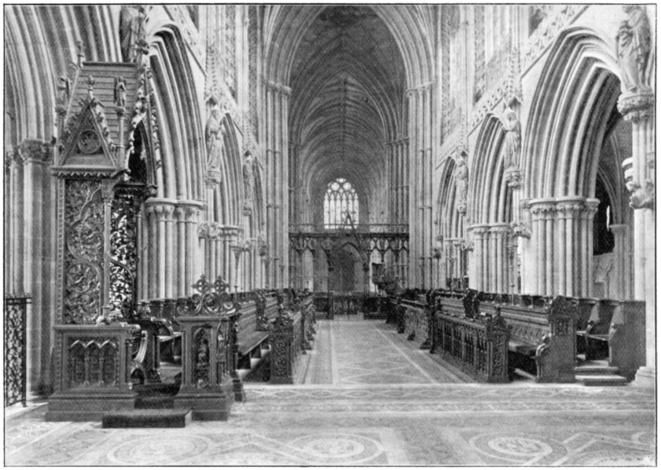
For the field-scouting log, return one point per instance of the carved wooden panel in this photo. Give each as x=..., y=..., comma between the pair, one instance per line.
x=15, y=350
x=92, y=362
x=123, y=249
x=83, y=251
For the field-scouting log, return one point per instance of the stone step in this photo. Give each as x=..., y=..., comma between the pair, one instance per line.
x=154, y=402
x=147, y=419
x=156, y=389
x=601, y=380
x=596, y=369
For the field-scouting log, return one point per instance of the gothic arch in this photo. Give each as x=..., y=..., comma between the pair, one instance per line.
x=448, y=217
x=33, y=65
x=179, y=121
x=570, y=114
x=580, y=81
x=490, y=202
x=228, y=202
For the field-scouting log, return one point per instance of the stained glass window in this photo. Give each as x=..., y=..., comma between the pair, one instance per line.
x=340, y=205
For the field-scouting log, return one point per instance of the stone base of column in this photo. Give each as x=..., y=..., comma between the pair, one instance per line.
x=645, y=377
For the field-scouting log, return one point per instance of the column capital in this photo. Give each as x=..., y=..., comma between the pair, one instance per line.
x=542, y=207
x=500, y=228
x=637, y=106
x=479, y=229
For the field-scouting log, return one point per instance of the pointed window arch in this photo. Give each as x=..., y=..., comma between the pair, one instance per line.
x=340, y=205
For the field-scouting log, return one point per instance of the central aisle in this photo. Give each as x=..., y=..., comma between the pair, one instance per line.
x=352, y=352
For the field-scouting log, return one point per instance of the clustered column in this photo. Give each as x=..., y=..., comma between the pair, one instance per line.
x=562, y=246
x=480, y=253
x=639, y=171
x=168, y=248
x=30, y=251
x=277, y=167
x=420, y=178
x=499, y=235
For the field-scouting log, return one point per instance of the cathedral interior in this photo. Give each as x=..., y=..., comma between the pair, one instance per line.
x=345, y=235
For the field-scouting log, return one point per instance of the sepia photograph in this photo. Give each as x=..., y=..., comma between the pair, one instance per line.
x=329, y=235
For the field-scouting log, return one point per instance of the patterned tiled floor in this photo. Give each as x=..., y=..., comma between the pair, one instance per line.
x=348, y=418
x=370, y=352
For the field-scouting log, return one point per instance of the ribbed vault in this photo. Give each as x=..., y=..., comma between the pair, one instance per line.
x=347, y=79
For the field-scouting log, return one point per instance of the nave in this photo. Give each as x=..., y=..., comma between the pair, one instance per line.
x=367, y=396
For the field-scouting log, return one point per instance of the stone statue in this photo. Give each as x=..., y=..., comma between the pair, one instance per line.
x=512, y=128
x=120, y=92
x=633, y=43
x=131, y=31
x=461, y=182
x=213, y=136
x=248, y=180
x=63, y=91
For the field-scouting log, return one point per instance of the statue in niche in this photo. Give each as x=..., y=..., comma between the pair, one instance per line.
x=63, y=91
x=131, y=31
x=120, y=92
x=461, y=182
x=633, y=46
x=249, y=163
x=213, y=136
x=512, y=128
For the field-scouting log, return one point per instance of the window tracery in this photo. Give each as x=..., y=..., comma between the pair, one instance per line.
x=340, y=205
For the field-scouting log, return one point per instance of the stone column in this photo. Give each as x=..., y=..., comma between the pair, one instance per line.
x=277, y=136
x=32, y=217
x=638, y=108
x=479, y=276
x=500, y=234
x=412, y=163
x=169, y=262
x=540, y=211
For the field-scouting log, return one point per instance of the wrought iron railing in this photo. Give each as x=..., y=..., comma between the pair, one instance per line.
x=15, y=350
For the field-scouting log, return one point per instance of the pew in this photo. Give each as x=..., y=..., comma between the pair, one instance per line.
x=478, y=346
x=417, y=324
x=293, y=329
x=593, y=334
x=542, y=329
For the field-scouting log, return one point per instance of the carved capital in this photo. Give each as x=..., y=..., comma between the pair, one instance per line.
x=520, y=230
x=542, y=209
x=642, y=197
x=637, y=107
x=203, y=230
x=513, y=177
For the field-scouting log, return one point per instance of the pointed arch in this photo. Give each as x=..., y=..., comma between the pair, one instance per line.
x=562, y=140
x=490, y=194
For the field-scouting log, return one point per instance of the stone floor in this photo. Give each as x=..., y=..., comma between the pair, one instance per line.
x=368, y=397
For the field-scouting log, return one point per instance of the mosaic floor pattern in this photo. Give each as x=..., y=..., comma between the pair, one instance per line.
x=353, y=421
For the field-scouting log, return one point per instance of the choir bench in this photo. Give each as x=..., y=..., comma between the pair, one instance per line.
x=252, y=332
x=542, y=329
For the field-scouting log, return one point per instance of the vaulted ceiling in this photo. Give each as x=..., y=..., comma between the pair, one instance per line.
x=347, y=83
